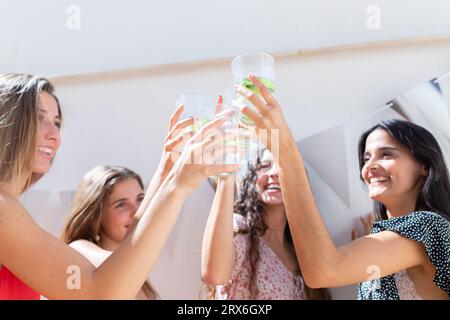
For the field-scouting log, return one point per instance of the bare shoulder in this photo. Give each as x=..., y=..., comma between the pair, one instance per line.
x=13, y=216
x=9, y=205
x=95, y=254
x=14, y=222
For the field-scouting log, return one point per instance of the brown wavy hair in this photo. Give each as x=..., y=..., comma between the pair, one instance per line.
x=84, y=220
x=19, y=102
x=251, y=208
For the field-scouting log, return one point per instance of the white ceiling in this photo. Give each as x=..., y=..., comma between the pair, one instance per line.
x=118, y=35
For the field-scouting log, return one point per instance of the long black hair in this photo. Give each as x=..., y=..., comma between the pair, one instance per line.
x=435, y=192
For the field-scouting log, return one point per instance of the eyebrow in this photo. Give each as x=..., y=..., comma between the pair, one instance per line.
x=124, y=199
x=118, y=200
x=45, y=111
x=384, y=149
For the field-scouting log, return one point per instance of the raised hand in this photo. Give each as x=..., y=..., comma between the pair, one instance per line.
x=198, y=160
x=175, y=140
x=268, y=116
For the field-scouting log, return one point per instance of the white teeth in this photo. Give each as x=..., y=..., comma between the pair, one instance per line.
x=273, y=186
x=45, y=150
x=380, y=179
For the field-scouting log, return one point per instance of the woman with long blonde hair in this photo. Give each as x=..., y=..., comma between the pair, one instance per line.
x=32, y=261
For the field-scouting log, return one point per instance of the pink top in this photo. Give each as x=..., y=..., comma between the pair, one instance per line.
x=12, y=288
x=405, y=286
x=274, y=281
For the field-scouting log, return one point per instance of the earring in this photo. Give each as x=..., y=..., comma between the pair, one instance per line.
x=97, y=238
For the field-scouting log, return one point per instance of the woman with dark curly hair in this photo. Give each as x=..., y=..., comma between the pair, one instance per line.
x=250, y=255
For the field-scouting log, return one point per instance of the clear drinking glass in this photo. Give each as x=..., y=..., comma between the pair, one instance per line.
x=261, y=65
x=198, y=106
x=230, y=130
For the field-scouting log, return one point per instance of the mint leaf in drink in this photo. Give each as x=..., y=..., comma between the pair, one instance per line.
x=247, y=83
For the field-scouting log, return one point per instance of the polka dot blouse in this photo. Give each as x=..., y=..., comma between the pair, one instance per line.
x=428, y=228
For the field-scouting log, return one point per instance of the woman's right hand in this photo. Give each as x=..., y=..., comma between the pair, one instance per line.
x=174, y=141
x=198, y=159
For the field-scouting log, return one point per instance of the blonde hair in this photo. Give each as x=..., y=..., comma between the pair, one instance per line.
x=85, y=215
x=19, y=101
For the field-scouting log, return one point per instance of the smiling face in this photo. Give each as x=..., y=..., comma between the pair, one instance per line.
x=48, y=137
x=267, y=182
x=393, y=176
x=119, y=209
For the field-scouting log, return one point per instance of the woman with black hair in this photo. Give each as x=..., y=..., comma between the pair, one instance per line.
x=407, y=256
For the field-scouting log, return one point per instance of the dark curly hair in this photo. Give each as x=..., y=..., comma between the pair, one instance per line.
x=251, y=208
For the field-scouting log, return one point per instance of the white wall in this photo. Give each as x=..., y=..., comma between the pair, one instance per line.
x=123, y=121
x=117, y=35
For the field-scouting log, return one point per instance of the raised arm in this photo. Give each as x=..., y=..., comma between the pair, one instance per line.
x=173, y=143
x=42, y=261
x=54, y=269
x=322, y=263
x=218, y=253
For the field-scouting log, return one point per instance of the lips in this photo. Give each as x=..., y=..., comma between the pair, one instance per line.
x=273, y=187
x=48, y=151
x=378, y=180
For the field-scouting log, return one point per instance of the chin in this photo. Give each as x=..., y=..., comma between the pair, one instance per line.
x=42, y=169
x=273, y=202
x=377, y=197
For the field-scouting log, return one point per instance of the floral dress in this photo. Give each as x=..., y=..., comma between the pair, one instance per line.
x=274, y=281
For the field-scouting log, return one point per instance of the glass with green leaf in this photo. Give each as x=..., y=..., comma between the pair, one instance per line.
x=261, y=65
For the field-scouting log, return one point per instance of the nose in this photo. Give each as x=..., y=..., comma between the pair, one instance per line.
x=274, y=170
x=371, y=165
x=133, y=211
x=273, y=174
x=51, y=131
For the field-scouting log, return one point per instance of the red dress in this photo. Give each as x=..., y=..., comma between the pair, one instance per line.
x=12, y=288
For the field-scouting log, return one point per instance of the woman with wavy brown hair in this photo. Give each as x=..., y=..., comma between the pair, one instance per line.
x=103, y=209
x=250, y=254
